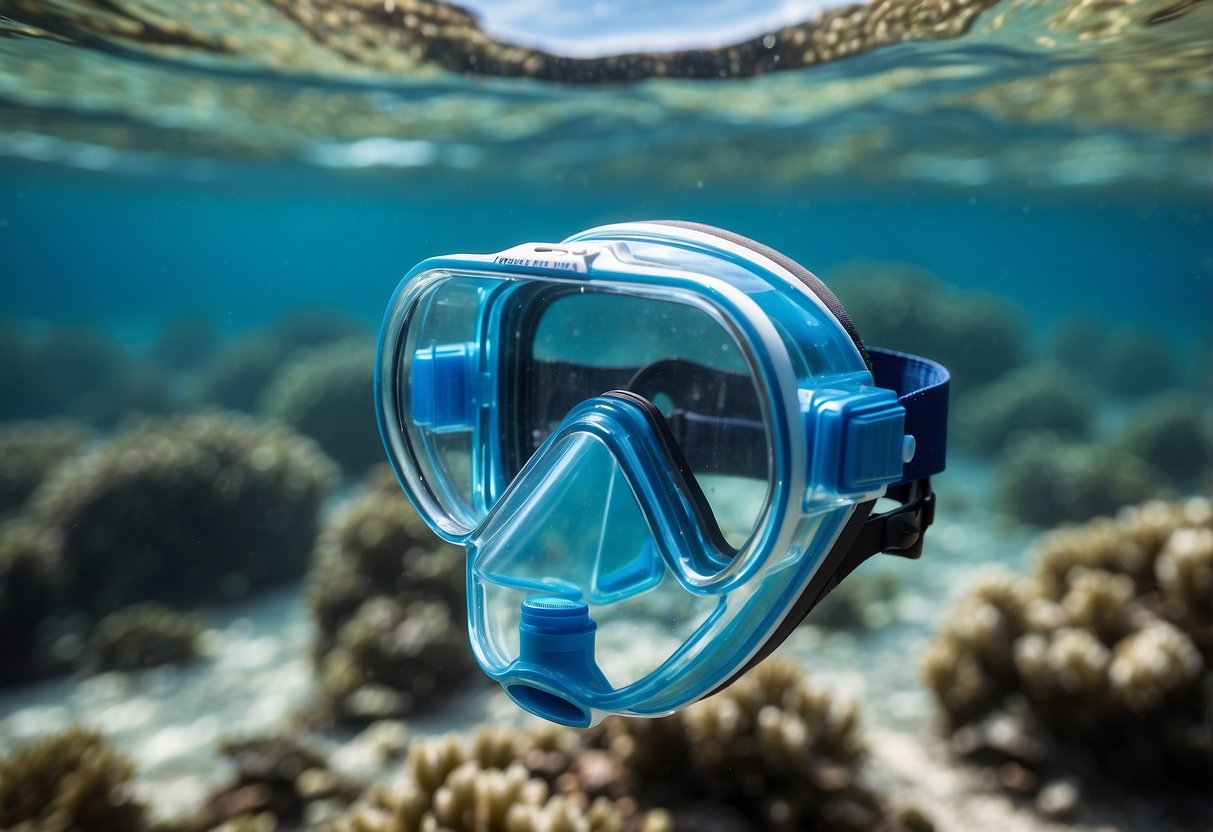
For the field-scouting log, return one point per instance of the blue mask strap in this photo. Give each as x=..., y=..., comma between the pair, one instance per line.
x=921, y=386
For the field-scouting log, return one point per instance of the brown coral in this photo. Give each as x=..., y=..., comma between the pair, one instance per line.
x=69, y=782
x=482, y=784
x=30, y=578
x=28, y=452
x=387, y=596
x=1107, y=646
x=771, y=752
x=140, y=636
x=185, y=511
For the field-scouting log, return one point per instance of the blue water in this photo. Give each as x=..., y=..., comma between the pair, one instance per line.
x=255, y=240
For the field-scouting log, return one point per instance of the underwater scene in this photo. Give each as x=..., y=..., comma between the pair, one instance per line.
x=218, y=609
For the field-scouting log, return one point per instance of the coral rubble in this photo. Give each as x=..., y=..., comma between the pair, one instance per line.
x=185, y=511
x=74, y=781
x=387, y=596
x=1108, y=648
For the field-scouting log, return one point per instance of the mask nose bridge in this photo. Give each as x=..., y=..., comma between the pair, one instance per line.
x=684, y=532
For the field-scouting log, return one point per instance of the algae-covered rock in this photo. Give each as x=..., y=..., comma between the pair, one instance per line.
x=74, y=781
x=185, y=511
x=1107, y=649
x=328, y=395
x=388, y=598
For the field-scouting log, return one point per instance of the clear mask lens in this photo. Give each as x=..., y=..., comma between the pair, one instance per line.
x=680, y=357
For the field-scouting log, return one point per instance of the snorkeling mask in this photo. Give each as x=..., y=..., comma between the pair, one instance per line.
x=660, y=442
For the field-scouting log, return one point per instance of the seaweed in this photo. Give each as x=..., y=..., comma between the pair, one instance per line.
x=1104, y=652
x=76, y=371
x=1138, y=363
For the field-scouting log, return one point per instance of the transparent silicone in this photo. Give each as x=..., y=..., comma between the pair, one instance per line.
x=598, y=579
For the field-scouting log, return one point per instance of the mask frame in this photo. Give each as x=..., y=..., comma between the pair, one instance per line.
x=816, y=502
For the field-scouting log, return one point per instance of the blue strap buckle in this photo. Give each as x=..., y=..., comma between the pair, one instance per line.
x=441, y=382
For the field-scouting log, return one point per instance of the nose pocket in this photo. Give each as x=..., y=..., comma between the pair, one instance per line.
x=627, y=563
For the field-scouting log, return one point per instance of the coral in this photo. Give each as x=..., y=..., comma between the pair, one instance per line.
x=186, y=511
x=74, y=781
x=388, y=599
x=309, y=327
x=328, y=394
x=185, y=342
x=1137, y=363
x=238, y=376
x=140, y=636
x=1106, y=648
x=1079, y=342
x=391, y=658
x=79, y=372
x=979, y=337
x=865, y=600
x=30, y=575
x=1030, y=400
x=771, y=751
x=28, y=452
x=1174, y=434
x=1044, y=481
x=484, y=785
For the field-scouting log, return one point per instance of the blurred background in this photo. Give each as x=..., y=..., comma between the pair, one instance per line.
x=218, y=610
